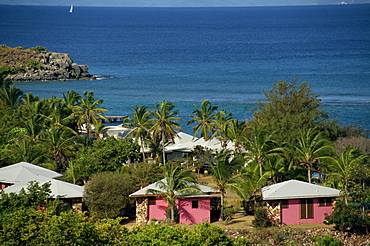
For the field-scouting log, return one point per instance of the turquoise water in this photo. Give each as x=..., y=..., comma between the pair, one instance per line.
x=186, y=55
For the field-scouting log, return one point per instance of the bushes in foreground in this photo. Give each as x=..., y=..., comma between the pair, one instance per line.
x=31, y=227
x=349, y=218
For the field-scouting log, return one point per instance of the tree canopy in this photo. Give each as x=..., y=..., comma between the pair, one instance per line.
x=290, y=107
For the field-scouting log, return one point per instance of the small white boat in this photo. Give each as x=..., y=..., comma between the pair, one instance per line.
x=71, y=9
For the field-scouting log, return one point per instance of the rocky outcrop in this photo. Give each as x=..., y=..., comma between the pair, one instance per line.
x=33, y=64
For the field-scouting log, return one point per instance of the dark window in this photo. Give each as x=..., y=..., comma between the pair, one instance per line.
x=284, y=203
x=325, y=201
x=306, y=208
x=152, y=201
x=194, y=204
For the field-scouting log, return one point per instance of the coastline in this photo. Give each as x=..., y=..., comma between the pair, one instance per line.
x=39, y=64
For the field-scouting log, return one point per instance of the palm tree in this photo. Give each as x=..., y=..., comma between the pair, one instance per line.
x=11, y=96
x=58, y=113
x=99, y=130
x=252, y=182
x=177, y=182
x=164, y=123
x=140, y=124
x=59, y=141
x=35, y=123
x=275, y=167
x=88, y=111
x=343, y=166
x=260, y=146
x=203, y=116
x=28, y=99
x=71, y=99
x=26, y=149
x=312, y=147
x=236, y=133
x=224, y=172
x=221, y=125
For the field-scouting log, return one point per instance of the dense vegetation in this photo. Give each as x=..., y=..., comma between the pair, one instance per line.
x=289, y=137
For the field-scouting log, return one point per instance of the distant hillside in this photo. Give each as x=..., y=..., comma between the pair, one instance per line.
x=22, y=65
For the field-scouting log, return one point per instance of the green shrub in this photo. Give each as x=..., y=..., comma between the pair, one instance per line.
x=328, y=240
x=33, y=64
x=31, y=227
x=38, y=48
x=348, y=218
x=228, y=212
x=157, y=234
x=261, y=218
x=5, y=69
x=32, y=198
x=16, y=69
x=108, y=194
x=20, y=227
x=111, y=232
x=20, y=48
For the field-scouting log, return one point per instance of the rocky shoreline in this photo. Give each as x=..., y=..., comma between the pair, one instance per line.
x=34, y=64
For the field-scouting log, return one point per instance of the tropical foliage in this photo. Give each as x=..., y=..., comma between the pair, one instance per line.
x=164, y=123
x=288, y=137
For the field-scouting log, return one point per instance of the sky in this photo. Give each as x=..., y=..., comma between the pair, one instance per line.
x=176, y=3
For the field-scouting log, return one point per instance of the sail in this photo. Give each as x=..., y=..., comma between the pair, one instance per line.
x=71, y=9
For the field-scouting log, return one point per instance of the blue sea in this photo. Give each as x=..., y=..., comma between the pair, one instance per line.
x=186, y=55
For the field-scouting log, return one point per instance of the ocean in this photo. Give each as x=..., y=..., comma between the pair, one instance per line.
x=187, y=55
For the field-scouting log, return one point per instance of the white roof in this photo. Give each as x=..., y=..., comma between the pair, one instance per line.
x=22, y=173
x=295, y=189
x=23, y=170
x=155, y=186
x=183, y=142
x=117, y=131
x=59, y=189
x=186, y=143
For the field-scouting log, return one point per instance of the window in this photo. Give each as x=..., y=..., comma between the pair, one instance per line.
x=284, y=203
x=152, y=201
x=194, y=204
x=306, y=208
x=325, y=201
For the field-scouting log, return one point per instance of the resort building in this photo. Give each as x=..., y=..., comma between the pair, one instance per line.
x=297, y=202
x=191, y=208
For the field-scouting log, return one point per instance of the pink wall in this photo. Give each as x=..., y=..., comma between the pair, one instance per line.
x=3, y=186
x=291, y=215
x=186, y=212
x=201, y=214
x=157, y=211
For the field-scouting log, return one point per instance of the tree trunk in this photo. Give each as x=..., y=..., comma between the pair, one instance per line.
x=163, y=151
x=309, y=173
x=260, y=165
x=172, y=213
x=142, y=148
x=222, y=208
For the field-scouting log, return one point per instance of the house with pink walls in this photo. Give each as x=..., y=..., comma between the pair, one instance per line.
x=191, y=208
x=297, y=202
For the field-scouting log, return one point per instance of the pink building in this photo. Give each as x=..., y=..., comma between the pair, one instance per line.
x=191, y=209
x=297, y=202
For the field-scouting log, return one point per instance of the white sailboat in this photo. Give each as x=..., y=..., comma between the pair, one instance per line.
x=71, y=9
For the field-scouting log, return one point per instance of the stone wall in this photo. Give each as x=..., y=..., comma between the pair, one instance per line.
x=141, y=211
x=273, y=209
